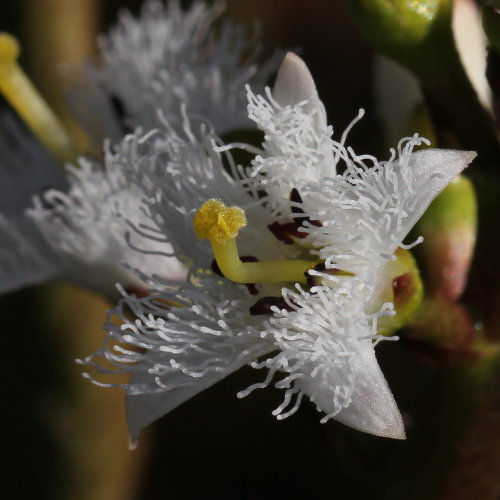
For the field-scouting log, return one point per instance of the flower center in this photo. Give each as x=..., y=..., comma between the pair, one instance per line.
x=29, y=104
x=400, y=281
x=221, y=224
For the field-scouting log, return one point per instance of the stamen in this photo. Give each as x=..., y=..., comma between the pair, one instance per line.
x=221, y=224
x=24, y=98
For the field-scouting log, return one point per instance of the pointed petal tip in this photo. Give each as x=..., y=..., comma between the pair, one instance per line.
x=447, y=163
x=372, y=408
x=401, y=436
x=447, y=154
x=471, y=155
x=132, y=443
x=293, y=60
x=466, y=156
x=395, y=431
x=294, y=82
x=391, y=426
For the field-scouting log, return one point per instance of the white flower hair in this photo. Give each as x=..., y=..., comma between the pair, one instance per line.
x=169, y=58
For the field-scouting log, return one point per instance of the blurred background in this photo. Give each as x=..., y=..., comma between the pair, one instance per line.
x=64, y=438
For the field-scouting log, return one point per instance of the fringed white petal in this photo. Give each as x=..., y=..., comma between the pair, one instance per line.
x=91, y=221
x=144, y=408
x=191, y=338
x=326, y=350
x=372, y=408
x=296, y=150
x=169, y=58
x=367, y=212
x=188, y=171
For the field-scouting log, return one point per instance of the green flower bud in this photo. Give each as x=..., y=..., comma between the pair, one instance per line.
x=415, y=33
x=449, y=229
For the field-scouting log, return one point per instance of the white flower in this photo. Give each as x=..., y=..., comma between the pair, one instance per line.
x=90, y=224
x=169, y=58
x=168, y=62
x=313, y=306
x=73, y=232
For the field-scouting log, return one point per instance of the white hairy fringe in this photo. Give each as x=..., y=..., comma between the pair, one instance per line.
x=181, y=338
x=195, y=173
x=90, y=222
x=169, y=57
x=364, y=210
x=319, y=343
x=197, y=334
x=297, y=149
x=188, y=333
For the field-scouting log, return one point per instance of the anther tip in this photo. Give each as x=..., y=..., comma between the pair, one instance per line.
x=9, y=49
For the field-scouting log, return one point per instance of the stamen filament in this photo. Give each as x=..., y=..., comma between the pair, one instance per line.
x=25, y=99
x=221, y=224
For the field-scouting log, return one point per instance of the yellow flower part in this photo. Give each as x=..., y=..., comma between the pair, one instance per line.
x=221, y=224
x=25, y=99
x=215, y=221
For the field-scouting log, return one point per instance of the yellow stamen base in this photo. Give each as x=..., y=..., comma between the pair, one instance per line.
x=221, y=224
x=24, y=98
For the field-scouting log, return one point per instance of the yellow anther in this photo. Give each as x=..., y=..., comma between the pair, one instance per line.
x=216, y=221
x=29, y=104
x=221, y=224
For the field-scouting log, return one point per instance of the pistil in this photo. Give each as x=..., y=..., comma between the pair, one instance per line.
x=221, y=224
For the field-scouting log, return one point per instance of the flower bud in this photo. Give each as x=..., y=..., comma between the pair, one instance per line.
x=413, y=33
x=449, y=231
